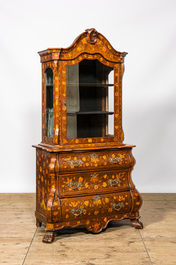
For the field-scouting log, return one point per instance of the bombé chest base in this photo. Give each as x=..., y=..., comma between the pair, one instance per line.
x=85, y=187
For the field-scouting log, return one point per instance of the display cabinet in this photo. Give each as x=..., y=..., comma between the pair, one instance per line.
x=83, y=167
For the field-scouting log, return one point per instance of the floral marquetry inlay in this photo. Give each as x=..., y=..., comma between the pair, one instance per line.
x=80, y=161
x=88, y=182
x=92, y=42
x=95, y=206
x=43, y=180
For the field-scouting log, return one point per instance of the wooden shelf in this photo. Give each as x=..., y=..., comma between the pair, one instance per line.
x=91, y=85
x=91, y=113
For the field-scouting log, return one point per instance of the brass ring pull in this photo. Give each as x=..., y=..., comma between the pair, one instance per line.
x=72, y=184
x=118, y=206
x=115, y=159
x=77, y=212
x=75, y=163
x=114, y=182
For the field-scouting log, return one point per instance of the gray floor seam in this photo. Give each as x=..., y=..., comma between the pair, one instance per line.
x=29, y=246
x=146, y=249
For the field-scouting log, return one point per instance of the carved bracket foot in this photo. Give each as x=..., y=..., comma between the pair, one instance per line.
x=137, y=224
x=49, y=237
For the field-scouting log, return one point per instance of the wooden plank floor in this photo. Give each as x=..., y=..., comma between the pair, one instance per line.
x=21, y=242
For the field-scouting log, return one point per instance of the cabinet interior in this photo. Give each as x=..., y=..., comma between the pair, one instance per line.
x=90, y=100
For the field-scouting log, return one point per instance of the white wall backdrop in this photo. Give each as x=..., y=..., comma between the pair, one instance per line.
x=144, y=29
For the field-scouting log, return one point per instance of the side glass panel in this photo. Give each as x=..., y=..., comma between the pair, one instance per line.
x=111, y=104
x=90, y=100
x=49, y=102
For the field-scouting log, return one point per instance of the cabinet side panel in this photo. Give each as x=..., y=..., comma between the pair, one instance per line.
x=42, y=180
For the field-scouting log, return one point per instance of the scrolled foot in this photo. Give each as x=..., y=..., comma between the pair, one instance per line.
x=49, y=237
x=137, y=224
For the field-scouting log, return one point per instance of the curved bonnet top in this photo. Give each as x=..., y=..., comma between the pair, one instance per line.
x=89, y=42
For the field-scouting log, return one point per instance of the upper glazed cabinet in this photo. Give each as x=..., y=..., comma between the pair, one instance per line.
x=82, y=92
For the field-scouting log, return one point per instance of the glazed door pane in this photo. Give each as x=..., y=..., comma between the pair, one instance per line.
x=49, y=102
x=90, y=100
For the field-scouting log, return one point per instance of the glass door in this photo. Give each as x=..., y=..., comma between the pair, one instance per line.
x=90, y=100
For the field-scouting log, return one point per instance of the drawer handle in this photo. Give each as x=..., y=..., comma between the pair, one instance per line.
x=96, y=198
x=114, y=182
x=115, y=159
x=94, y=175
x=94, y=155
x=77, y=212
x=72, y=184
x=118, y=206
x=75, y=163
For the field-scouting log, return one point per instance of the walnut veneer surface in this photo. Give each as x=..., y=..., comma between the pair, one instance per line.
x=83, y=181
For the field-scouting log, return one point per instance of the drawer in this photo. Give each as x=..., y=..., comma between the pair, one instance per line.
x=69, y=162
x=93, y=182
x=95, y=206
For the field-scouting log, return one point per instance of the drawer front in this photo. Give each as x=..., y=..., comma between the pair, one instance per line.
x=93, y=182
x=95, y=206
x=90, y=160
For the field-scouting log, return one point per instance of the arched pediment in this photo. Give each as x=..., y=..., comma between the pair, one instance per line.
x=92, y=42
x=89, y=42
